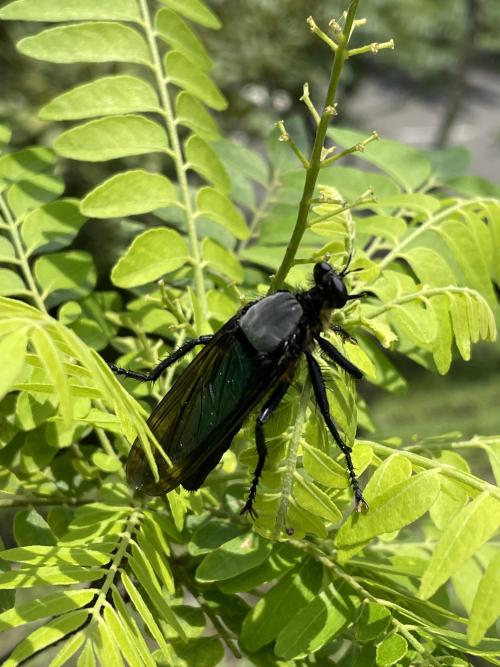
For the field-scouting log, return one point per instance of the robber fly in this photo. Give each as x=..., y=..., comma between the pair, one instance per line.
x=254, y=356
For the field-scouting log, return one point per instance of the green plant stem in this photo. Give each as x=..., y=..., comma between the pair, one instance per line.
x=357, y=148
x=123, y=546
x=44, y=502
x=260, y=212
x=291, y=461
x=345, y=207
x=444, y=469
x=365, y=595
x=315, y=160
x=22, y=256
x=182, y=576
x=431, y=221
x=178, y=159
x=429, y=292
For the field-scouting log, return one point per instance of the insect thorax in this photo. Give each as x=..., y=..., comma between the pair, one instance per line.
x=271, y=321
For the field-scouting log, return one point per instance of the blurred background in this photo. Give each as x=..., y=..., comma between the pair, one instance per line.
x=439, y=88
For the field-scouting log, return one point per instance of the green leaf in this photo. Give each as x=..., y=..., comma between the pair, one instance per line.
x=409, y=202
x=151, y=255
x=214, y=205
x=52, y=605
x=373, y=622
x=70, y=647
x=352, y=183
x=486, y=605
x=123, y=637
x=52, y=226
x=31, y=528
x=50, y=356
x=466, y=532
x=147, y=617
x=206, y=651
x=203, y=159
x=129, y=193
x=32, y=192
x=384, y=226
x=87, y=42
x=313, y=499
x=171, y=28
x=5, y=132
x=240, y=159
x=109, y=648
x=314, y=625
x=181, y=71
x=301, y=520
x=458, y=311
x=493, y=452
x=399, y=506
x=476, y=186
x=53, y=631
x=453, y=496
x=265, y=620
x=107, y=96
x=211, y=535
x=282, y=559
x=106, y=462
x=405, y=165
x=195, y=10
x=12, y=357
x=395, y=469
x=65, y=275
x=221, y=260
x=87, y=656
x=192, y=114
x=45, y=575
x=62, y=10
x=391, y=650
x=450, y=162
x=26, y=163
x=7, y=251
x=110, y=138
x=144, y=569
x=53, y=554
x=240, y=554
x=323, y=468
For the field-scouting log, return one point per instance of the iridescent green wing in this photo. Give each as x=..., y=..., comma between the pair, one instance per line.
x=198, y=418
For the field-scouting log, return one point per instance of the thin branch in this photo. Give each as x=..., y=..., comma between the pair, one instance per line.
x=315, y=159
x=444, y=469
x=22, y=257
x=178, y=158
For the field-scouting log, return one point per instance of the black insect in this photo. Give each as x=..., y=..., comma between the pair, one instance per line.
x=253, y=356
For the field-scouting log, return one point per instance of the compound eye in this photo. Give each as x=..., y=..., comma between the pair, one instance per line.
x=321, y=270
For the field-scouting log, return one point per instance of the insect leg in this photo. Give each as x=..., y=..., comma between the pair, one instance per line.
x=361, y=295
x=318, y=384
x=155, y=373
x=266, y=412
x=336, y=356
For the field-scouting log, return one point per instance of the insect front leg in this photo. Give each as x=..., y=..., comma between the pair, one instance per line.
x=337, y=357
x=266, y=412
x=155, y=373
x=319, y=389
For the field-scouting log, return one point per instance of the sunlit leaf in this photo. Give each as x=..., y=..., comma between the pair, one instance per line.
x=151, y=255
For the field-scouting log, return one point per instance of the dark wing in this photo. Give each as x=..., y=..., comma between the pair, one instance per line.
x=205, y=408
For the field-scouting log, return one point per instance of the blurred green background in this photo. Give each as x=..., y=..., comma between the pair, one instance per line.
x=440, y=87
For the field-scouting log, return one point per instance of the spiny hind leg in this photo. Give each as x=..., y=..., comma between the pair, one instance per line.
x=319, y=389
x=265, y=414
